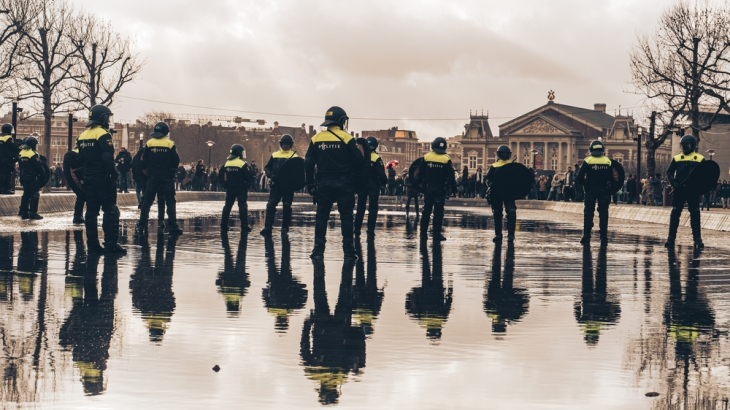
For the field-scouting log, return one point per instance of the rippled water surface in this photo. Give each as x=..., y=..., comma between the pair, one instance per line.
x=541, y=324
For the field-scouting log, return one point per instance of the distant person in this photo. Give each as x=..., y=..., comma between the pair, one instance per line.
x=235, y=177
x=31, y=177
x=596, y=175
x=495, y=174
x=679, y=170
x=437, y=174
x=124, y=165
x=8, y=157
x=371, y=192
x=277, y=192
x=411, y=193
x=199, y=181
x=569, y=185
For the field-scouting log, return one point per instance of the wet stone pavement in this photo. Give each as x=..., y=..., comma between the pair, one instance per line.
x=467, y=325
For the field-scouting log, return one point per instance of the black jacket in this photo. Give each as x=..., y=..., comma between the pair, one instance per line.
x=333, y=152
x=234, y=176
x=276, y=160
x=124, y=161
x=436, y=171
x=160, y=158
x=595, y=174
x=681, y=166
x=8, y=152
x=137, y=173
x=31, y=169
x=73, y=170
x=97, y=153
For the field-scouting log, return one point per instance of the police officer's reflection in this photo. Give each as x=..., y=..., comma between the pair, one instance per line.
x=233, y=280
x=89, y=327
x=430, y=304
x=6, y=266
x=688, y=317
x=30, y=263
x=504, y=303
x=330, y=346
x=151, y=287
x=596, y=309
x=283, y=293
x=368, y=297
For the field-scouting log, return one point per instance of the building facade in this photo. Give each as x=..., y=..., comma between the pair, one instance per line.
x=395, y=144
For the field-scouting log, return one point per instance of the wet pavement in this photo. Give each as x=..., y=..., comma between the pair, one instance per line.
x=541, y=324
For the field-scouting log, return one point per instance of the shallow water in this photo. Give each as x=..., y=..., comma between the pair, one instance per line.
x=542, y=324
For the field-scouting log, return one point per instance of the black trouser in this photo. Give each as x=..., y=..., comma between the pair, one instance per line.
x=164, y=189
x=80, y=199
x=510, y=209
x=231, y=197
x=434, y=201
x=101, y=194
x=6, y=174
x=331, y=190
x=29, y=200
x=373, y=194
x=415, y=204
x=275, y=196
x=693, y=206
x=589, y=208
x=567, y=193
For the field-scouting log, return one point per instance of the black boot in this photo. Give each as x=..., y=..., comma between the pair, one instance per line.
x=320, y=232
x=673, y=226
x=111, y=234
x=286, y=219
x=92, y=240
x=511, y=226
x=586, y=239
x=497, y=229
x=696, y=224
x=33, y=213
x=269, y=221
x=78, y=211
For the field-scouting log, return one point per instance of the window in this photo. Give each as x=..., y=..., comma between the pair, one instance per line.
x=116, y=144
x=57, y=158
x=472, y=162
x=554, y=162
x=618, y=158
x=526, y=160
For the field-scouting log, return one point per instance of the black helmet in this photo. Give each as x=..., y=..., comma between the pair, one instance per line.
x=286, y=139
x=439, y=145
x=7, y=129
x=596, y=148
x=161, y=129
x=372, y=143
x=30, y=142
x=689, y=144
x=99, y=115
x=504, y=153
x=335, y=116
x=236, y=151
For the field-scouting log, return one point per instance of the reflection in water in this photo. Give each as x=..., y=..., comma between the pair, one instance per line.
x=504, y=303
x=283, y=293
x=596, y=309
x=368, y=297
x=233, y=280
x=6, y=267
x=430, y=303
x=89, y=327
x=330, y=346
x=151, y=287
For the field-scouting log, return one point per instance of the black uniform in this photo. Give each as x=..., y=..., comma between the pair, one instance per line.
x=160, y=160
x=336, y=157
x=497, y=202
x=235, y=177
x=596, y=175
x=376, y=179
x=680, y=168
x=140, y=181
x=437, y=174
x=283, y=294
x=97, y=156
x=232, y=281
x=32, y=176
x=597, y=309
x=411, y=193
x=504, y=303
x=74, y=173
x=276, y=194
x=8, y=156
x=430, y=304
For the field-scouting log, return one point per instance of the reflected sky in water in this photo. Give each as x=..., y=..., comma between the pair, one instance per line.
x=541, y=324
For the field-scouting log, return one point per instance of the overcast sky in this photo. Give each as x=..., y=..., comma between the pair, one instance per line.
x=380, y=59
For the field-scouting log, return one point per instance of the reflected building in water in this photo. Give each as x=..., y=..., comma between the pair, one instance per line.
x=151, y=287
x=233, y=280
x=430, y=303
x=368, y=297
x=596, y=309
x=503, y=303
x=330, y=346
x=283, y=294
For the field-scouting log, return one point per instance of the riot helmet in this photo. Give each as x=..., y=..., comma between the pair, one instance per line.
x=439, y=145
x=161, y=130
x=504, y=153
x=7, y=129
x=335, y=116
x=372, y=143
x=596, y=148
x=236, y=151
x=286, y=139
x=689, y=144
x=30, y=142
x=100, y=115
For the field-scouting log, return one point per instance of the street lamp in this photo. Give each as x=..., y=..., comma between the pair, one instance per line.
x=639, y=135
x=141, y=140
x=711, y=152
x=210, y=147
x=683, y=125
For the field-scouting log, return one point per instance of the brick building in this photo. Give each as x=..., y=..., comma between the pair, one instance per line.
x=395, y=144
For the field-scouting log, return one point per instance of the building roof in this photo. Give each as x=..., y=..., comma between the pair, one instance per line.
x=591, y=117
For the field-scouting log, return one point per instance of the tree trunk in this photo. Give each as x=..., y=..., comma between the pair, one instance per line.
x=651, y=147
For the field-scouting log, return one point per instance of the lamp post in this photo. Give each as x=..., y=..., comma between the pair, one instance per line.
x=639, y=135
x=534, y=155
x=141, y=140
x=210, y=147
x=71, y=121
x=711, y=152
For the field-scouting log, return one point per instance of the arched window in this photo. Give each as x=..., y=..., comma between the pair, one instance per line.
x=527, y=159
x=618, y=158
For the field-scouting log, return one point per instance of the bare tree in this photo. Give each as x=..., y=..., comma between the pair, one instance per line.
x=682, y=67
x=107, y=61
x=50, y=59
x=14, y=15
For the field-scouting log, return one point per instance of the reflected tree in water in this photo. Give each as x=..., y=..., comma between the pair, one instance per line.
x=233, y=280
x=151, y=287
x=368, y=297
x=597, y=309
x=283, y=293
x=504, y=303
x=330, y=346
x=430, y=304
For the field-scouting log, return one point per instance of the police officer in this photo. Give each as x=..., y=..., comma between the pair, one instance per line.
x=8, y=156
x=97, y=157
x=680, y=168
x=376, y=179
x=276, y=193
x=74, y=174
x=595, y=175
x=437, y=174
x=31, y=177
x=160, y=160
x=495, y=174
x=236, y=178
x=335, y=155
